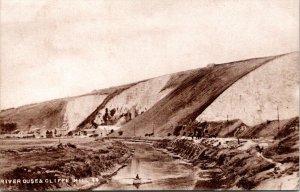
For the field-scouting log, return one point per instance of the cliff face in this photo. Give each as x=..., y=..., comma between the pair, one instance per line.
x=133, y=101
x=79, y=108
x=255, y=97
x=58, y=114
x=248, y=90
x=197, y=92
x=127, y=103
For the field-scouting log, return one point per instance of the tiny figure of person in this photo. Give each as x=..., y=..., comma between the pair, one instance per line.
x=137, y=176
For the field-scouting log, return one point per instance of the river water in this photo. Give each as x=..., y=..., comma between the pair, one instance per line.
x=158, y=170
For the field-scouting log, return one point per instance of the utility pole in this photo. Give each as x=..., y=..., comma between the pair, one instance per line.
x=134, y=131
x=153, y=128
x=227, y=125
x=278, y=117
x=241, y=104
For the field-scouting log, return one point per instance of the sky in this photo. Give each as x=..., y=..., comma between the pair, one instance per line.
x=57, y=48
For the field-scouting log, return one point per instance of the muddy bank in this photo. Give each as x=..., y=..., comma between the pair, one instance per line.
x=62, y=166
x=233, y=165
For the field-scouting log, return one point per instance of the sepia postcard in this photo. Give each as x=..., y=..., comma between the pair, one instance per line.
x=149, y=95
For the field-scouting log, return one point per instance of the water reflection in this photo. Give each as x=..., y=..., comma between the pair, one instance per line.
x=137, y=185
x=156, y=170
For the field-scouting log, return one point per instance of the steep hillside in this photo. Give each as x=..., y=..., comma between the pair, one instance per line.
x=78, y=109
x=89, y=121
x=135, y=100
x=192, y=97
x=85, y=110
x=236, y=128
x=126, y=104
x=46, y=115
x=255, y=97
x=271, y=129
x=243, y=93
x=65, y=113
x=209, y=128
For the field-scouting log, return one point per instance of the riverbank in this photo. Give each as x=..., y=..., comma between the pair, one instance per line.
x=65, y=165
x=229, y=164
x=158, y=170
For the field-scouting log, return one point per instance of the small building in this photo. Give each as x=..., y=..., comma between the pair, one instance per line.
x=88, y=132
x=105, y=130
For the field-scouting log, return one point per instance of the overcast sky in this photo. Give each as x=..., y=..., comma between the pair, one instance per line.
x=57, y=48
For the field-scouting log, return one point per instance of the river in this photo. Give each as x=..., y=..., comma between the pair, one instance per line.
x=158, y=170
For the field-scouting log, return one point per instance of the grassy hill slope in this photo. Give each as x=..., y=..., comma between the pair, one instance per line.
x=191, y=97
x=52, y=114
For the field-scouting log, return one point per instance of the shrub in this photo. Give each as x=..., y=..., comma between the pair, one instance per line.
x=71, y=145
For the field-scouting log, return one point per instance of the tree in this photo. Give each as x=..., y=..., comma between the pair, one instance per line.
x=112, y=112
x=177, y=130
x=70, y=133
x=7, y=127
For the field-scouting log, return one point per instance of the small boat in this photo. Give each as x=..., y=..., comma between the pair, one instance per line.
x=137, y=181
